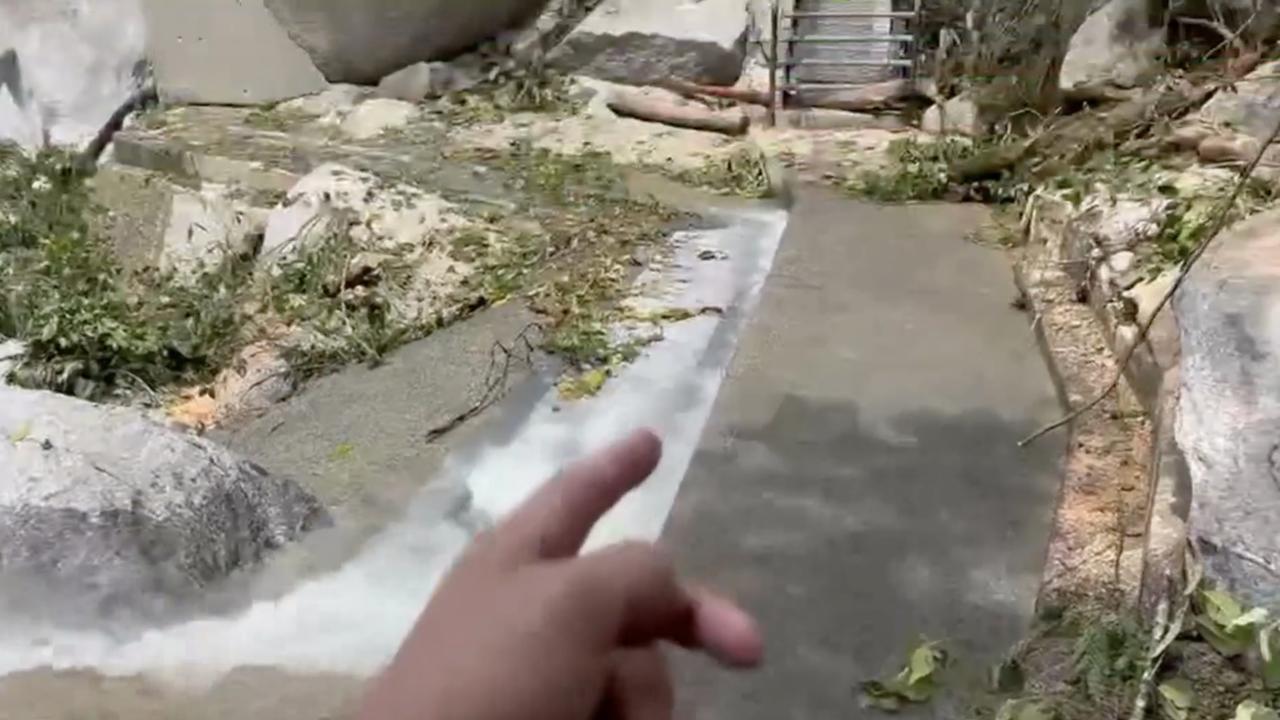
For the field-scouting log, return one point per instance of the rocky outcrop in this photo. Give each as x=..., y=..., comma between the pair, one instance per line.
x=206, y=227
x=381, y=217
x=1120, y=44
x=373, y=117
x=118, y=515
x=1229, y=414
x=225, y=52
x=646, y=42
x=388, y=226
x=362, y=41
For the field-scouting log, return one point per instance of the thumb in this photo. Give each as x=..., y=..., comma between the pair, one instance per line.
x=632, y=595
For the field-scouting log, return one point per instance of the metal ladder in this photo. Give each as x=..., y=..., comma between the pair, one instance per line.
x=815, y=60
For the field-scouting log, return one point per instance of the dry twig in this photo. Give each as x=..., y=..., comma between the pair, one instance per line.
x=1219, y=224
x=495, y=386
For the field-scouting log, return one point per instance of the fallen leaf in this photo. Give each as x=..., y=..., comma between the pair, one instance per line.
x=1254, y=710
x=1176, y=698
x=915, y=683
x=1024, y=709
x=1225, y=625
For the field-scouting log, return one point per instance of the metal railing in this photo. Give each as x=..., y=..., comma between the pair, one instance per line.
x=798, y=42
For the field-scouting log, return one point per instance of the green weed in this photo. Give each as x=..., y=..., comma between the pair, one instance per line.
x=917, y=171
x=744, y=173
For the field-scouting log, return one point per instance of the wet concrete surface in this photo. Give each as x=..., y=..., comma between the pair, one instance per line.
x=859, y=486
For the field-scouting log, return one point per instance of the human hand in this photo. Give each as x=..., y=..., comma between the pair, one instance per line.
x=523, y=628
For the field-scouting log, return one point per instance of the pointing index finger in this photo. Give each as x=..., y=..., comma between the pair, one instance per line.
x=555, y=521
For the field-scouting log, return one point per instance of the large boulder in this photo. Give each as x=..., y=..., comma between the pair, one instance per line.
x=363, y=41
x=1229, y=412
x=225, y=52
x=644, y=42
x=1120, y=44
x=77, y=63
x=104, y=512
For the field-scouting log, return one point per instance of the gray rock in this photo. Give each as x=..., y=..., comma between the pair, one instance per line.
x=373, y=117
x=1122, y=261
x=1252, y=109
x=1120, y=44
x=225, y=52
x=122, y=517
x=642, y=42
x=958, y=116
x=421, y=81
x=1229, y=412
x=206, y=227
x=362, y=41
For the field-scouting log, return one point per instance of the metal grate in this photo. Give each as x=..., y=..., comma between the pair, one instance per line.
x=847, y=43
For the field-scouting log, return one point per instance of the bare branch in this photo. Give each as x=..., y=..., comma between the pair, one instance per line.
x=1220, y=223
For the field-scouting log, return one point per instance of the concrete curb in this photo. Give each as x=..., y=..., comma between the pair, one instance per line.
x=1153, y=374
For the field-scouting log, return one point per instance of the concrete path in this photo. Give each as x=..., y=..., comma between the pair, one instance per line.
x=859, y=485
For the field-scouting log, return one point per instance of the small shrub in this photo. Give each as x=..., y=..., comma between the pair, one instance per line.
x=917, y=171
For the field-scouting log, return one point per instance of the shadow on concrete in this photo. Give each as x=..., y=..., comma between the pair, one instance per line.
x=852, y=539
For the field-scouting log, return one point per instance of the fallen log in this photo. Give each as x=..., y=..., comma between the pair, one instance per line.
x=695, y=90
x=891, y=95
x=888, y=96
x=655, y=105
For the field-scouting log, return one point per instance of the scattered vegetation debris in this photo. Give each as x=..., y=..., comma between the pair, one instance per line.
x=918, y=171
x=744, y=173
x=92, y=330
x=274, y=119
x=915, y=683
x=586, y=385
x=512, y=88
x=1194, y=216
x=1225, y=625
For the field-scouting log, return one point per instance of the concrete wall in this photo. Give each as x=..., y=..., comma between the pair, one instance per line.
x=77, y=59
